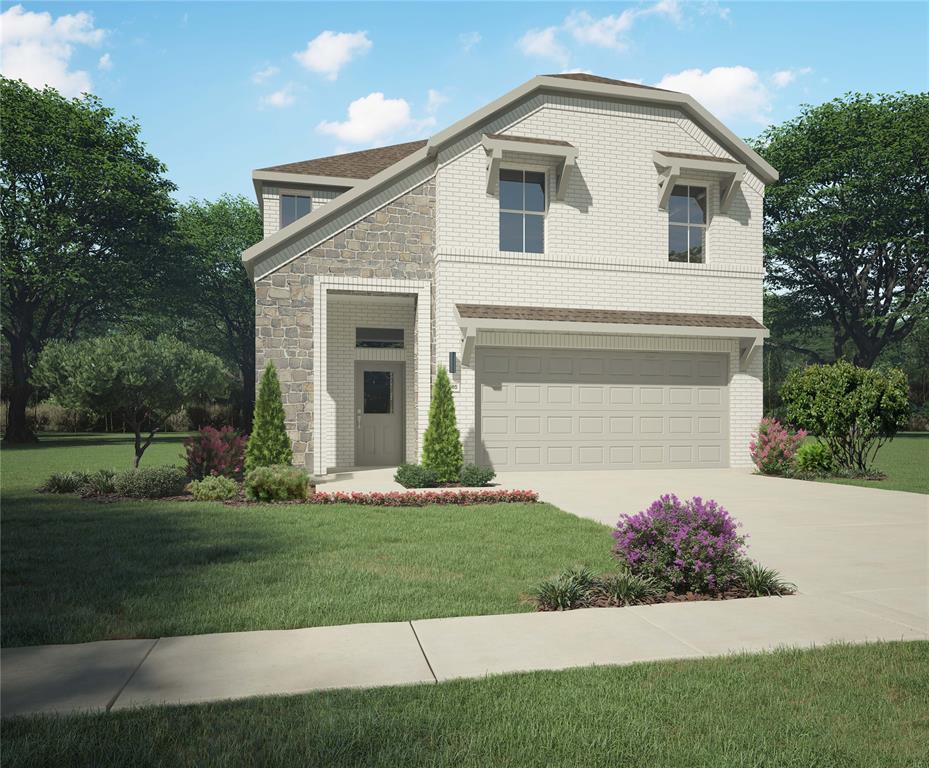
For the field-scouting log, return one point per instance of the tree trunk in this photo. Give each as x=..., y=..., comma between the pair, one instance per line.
x=140, y=446
x=17, y=428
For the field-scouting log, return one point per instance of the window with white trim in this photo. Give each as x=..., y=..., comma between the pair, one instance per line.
x=522, y=211
x=687, y=216
x=294, y=207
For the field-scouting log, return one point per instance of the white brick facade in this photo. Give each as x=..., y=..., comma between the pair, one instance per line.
x=606, y=247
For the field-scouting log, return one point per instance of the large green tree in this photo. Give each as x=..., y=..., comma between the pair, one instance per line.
x=147, y=380
x=219, y=294
x=847, y=224
x=84, y=213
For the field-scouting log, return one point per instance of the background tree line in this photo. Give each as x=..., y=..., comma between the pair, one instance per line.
x=93, y=244
x=847, y=239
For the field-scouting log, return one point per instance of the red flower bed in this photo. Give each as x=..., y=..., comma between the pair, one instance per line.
x=422, y=498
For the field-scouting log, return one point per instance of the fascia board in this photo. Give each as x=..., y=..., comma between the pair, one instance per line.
x=305, y=179
x=473, y=324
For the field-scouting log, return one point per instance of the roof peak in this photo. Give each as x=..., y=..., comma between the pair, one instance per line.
x=589, y=78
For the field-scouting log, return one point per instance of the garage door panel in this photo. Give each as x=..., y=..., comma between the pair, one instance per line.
x=580, y=409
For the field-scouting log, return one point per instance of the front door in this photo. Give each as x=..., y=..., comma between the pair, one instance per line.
x=379, y=399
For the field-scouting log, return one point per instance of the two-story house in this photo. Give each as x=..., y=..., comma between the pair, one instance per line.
x=584, y=255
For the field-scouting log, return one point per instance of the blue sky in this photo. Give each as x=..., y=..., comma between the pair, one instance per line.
x=221, y=88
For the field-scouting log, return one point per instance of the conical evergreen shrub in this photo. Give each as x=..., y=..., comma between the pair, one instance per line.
x=269, y=443
x=442, y=451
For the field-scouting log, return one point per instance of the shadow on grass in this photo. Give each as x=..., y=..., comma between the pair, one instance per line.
x=75, y=570
x=90, y=440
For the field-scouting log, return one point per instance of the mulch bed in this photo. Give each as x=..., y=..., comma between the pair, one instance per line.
x=456, y=496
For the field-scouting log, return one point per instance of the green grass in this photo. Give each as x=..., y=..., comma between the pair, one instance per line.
x=837, y=707
x=905, y=461
x=74, y=570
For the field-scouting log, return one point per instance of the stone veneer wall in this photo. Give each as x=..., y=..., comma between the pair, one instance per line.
x=396, y=241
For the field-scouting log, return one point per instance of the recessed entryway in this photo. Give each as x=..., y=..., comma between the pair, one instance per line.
x=380, y=394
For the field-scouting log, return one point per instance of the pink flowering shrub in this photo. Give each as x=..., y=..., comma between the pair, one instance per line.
x=217, y=452
x=687, y=546
x=422, y=498
x=774, y=447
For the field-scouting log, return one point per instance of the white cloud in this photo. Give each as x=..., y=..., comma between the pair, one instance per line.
x=38, y=49
x=329, y=51
x=784, y=77
x=544, y=44
x=106, y=63
x=467, y=40
x=575, y=71
x=713, y=8
x=373, y=117
x=435, y=100
x=728, y=92
x=280, y=98
x=612, y=31
x=259, y=76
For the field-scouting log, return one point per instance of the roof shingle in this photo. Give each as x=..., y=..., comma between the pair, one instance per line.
x=352, y=165
x=617, y=316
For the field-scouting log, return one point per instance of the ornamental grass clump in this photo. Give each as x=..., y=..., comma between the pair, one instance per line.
x=686, y=546
x=774, y=448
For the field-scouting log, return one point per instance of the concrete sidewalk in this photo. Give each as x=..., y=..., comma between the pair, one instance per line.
x=120, y=674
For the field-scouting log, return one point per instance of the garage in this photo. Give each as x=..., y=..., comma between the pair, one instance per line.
x=580, y=409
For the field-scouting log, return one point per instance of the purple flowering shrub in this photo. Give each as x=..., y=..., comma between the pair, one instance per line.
x=774, y=448
x=687, y=546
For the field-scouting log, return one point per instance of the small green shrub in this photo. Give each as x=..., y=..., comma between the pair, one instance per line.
x=213, y=488
x=99, y=483
x=473, y=476
x=814, y=458
x=442, y=449
x=280, y=482
x=416, y=476
x=853, y=410
x=151, y=482
x=572, y=588
x=65, y=482
x=625, y=588
x=759, y=581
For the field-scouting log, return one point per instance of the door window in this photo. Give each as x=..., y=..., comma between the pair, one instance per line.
x=378, y=394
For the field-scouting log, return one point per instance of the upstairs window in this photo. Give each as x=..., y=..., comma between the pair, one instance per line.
x=379, y=338
x=687, y=224
x=293, y=207
x=522, y=211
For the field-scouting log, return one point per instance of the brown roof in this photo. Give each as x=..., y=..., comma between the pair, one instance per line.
x=689, y=156
x=619, y=316
x=604, y=80
x=507, y=137
x=352, y=165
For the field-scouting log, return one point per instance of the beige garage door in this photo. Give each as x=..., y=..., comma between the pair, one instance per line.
x=572, y=409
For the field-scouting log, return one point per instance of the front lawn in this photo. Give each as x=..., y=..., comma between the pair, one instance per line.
x=904, y=460
x=836, y=707
x=74, y=570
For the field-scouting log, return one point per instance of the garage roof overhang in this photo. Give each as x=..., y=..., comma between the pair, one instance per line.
x=672, y=165
x=500, y=147
x=477, y=317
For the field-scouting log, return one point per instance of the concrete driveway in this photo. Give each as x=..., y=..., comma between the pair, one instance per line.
x=864, y=546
